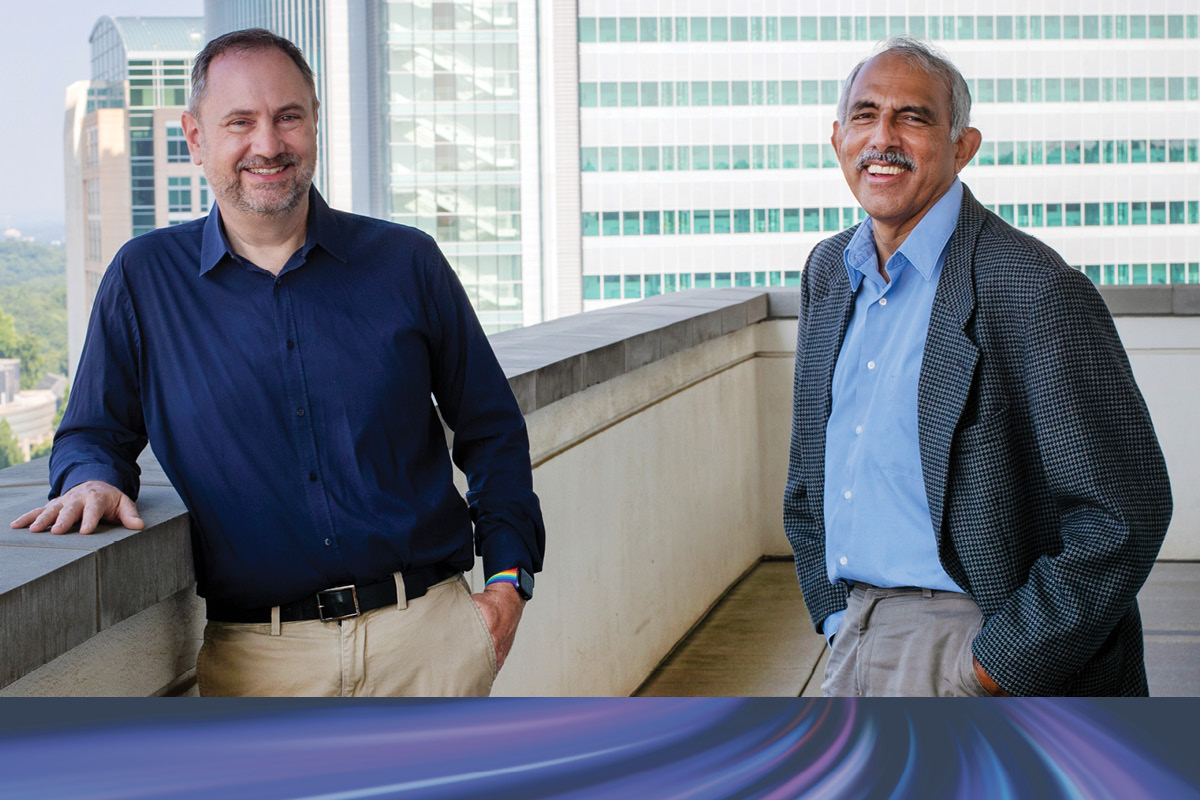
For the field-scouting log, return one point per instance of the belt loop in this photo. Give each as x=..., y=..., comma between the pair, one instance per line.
x=275, y=626
x=927, y=592
x=401, y=597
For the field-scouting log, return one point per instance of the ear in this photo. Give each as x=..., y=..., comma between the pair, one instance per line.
x=191, y=132
x=836, y=139
x=966, y=147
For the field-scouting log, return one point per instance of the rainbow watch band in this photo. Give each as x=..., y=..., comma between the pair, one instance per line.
x=504, y=576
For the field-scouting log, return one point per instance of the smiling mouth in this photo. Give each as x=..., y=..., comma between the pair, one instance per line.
x=880, y=169
x=266, y=170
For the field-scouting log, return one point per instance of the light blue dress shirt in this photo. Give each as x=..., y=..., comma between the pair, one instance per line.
x=877, y=524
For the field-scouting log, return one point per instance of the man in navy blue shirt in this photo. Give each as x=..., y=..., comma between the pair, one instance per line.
x=281, y=357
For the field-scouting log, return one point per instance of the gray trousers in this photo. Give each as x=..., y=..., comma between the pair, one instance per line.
x=904, y=642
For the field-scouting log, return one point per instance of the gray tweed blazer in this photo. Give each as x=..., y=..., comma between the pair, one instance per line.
x=1047, y=489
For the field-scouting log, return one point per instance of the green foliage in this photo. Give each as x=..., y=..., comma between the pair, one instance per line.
x=25, y=261
x=10, y=453
x=41, y=450
x=33, y=309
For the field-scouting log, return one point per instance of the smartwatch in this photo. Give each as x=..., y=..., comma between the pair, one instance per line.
x=521, y=580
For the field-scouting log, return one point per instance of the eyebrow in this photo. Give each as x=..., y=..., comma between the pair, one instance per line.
x=245, y=112
x=923, y=111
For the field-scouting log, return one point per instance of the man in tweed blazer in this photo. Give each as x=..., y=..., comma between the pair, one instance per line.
x=1041, y=494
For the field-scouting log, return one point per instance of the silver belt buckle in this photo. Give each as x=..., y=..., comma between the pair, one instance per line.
x=321, y=606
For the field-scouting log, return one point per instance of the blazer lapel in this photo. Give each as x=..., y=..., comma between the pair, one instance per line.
x=949, y=360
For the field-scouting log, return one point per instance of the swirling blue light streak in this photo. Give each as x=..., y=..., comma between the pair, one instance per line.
x=682, y=749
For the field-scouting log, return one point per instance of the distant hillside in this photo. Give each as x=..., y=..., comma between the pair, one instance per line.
x=24, y=261
x=33, y=291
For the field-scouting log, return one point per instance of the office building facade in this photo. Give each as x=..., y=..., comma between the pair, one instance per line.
x=127, y=166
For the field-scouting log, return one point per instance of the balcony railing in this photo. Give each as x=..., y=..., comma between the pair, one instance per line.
x=659, y=434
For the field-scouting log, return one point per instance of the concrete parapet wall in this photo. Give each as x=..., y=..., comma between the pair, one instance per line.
x=659, y=434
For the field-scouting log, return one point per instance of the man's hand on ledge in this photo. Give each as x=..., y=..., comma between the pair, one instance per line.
x=993, y=688
x=501, y=607
x=87, y=503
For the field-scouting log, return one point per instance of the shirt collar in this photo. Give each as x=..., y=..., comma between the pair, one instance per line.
x=922, y=248
x=322, y=229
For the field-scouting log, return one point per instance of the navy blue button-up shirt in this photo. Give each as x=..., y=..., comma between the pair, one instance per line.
x=293, y=413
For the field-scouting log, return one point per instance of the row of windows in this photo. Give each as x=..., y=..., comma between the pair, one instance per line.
x=864, y=28
x=141, y=171
x=653, y=158
x=442, y=15
x=831, y=220
x=466, y=227
x=632, y=287
x=159, y=83
x=650, y=94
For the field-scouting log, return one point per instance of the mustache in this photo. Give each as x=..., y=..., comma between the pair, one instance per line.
x=891, y=158
x=281, y=160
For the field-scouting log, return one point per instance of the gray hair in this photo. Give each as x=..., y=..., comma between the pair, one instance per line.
x=924, y=56
x=244, y=41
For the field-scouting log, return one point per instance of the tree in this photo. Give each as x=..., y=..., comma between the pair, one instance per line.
x=24, y=346
x=10, y=452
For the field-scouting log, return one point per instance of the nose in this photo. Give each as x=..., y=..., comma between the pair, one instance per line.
x=267, y=142
x=885, y=134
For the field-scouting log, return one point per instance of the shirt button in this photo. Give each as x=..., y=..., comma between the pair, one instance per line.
x=299, y=412
x=858, y=430
x=847, y=495
x=312, y=476
x=842, y=561
x=870, y=365
x=291, y=344
x=883, y=301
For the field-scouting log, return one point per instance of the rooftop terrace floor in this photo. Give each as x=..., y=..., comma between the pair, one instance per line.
x=757, y=641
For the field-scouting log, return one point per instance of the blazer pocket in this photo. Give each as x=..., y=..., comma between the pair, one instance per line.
x=990, y=428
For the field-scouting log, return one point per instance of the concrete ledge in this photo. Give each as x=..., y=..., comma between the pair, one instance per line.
x=1152, y=301
x=56, y=592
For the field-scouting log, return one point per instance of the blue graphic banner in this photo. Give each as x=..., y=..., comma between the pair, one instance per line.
x=598, y=748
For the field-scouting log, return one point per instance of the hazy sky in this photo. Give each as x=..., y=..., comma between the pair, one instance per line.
x=44, y=48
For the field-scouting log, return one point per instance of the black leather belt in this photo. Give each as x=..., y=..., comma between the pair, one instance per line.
x=342, y=602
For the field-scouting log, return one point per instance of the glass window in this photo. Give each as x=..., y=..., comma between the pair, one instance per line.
x=1022, y=152
x=1158, y=89
x=1137, y=27
x=811, y=157
x=1053, y=89
x=985, y=90
x=1036, y=150
x=879, y=28
x=789, y=29
x=1004, y=153
x=718, y=29
x=1110, y=215
x=1022, y=215
x=756, y=29
x=653, y=285
x=702, y=221
x=829, y=92
x=609, y=95
x=587, y=95
x=589, y=159
x=650, y=223
x=791, y=220
x=699, y=29
x=1158, y=213
x=607, y=27
x=1138, y=151
x=720, y=93
x=1073, y=215
x=808, y=29
x=721, y=221
x=1071, y=152
x=648, y=29
x=629, y=93
x=809, y=93
x=1004, y=90
x=1137, y=213
x=741, y=220
x=700, y=156
x=1071, y=27
x=986, y=155
x=628, y=29
x=633, y=286
x=591, y=287
x=1054, y=215
x=1020, y=27
x=587, y=32
x=741, y=156
x=1177, y=212
x=916, y=27
x=668, y=222
x=1141, y=274
x=812, y=219
x=896, y=26
x=828, y=156
x=1091, y=89
x=650, y=93
x=1091, y=27
x=739, y=93
x=1158, y=151
x=1091, y=213
x=650, y=159
x=1091, y=152
x=666, y=29
x=1157, y=26
x=632, y=223
x=1072, y=90
x=612, y=287
x=860, y=29
x=1176, y=151
x=610, y=159
x=790, y=92
x=830, y=221
x=610, y=223
x=1053, y=152
x=1193, y=211
x=984, y=28
x=720, y=156
x=1178, y=273
x=773, y=156
x=1051, y=27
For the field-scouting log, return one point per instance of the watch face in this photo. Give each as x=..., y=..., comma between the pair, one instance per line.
x=524, y=584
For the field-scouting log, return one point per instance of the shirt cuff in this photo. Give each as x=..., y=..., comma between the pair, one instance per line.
x=831, y=625
x=96, y=472
x=502, y=550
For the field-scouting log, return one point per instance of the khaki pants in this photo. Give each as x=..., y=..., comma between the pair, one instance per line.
x=904, y=642
x=437, y=645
